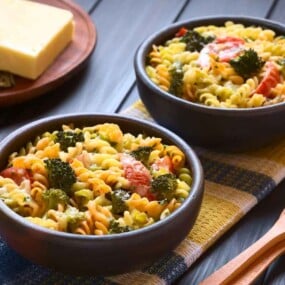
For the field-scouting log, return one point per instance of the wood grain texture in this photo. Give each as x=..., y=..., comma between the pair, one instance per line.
x=254, y=8
x=65, y=65
x=87, y=5
x=262, y=263
x=254, y=225
x=232, y=272
x=275, y=275
x=111, y=72
x=103, y=84
x=277, y=13
x=198, y=8
x=107, y=83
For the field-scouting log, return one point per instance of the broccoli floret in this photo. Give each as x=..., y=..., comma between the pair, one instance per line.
x=74, y=216
x=53, y=197
x=118, y=198
x=247, y=64
x=60, y=174
x=195, y=41
x=142, y=153
x=68, y=138
x=115, y=228
x=164, y=186
x=176, y=83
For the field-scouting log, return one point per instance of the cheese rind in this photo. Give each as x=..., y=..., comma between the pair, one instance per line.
x=32, y=35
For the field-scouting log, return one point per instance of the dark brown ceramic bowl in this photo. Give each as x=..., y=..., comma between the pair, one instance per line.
x=109, y=254
x=218, y=128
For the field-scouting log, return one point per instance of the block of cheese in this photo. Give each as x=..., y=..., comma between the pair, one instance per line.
x=32, y=35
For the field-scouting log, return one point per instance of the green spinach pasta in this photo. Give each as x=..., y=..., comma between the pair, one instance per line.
x=95, y=180
x=229, y=66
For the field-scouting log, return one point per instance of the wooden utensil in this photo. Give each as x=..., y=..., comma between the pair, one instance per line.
x=257, y=267
x=249, y=264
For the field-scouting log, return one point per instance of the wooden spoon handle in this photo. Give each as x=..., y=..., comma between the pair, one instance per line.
x=258, y=266
x=236, y=266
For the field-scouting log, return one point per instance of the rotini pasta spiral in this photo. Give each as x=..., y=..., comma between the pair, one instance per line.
x=96, y=180
x=233, y=66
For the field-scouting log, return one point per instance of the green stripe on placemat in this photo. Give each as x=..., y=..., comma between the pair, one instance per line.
x=234, y=184
x=237, y=177
x=170, y=265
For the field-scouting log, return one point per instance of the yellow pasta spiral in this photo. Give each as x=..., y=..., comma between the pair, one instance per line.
x=88, y=206
x=176, y=155
x=210, y=78
x=100, y=216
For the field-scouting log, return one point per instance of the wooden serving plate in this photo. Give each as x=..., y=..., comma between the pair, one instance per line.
x=70, y=61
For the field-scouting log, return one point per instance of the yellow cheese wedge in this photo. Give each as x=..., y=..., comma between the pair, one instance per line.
x=32, y=35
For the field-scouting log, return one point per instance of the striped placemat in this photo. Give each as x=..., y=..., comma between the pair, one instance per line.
x=235, y=183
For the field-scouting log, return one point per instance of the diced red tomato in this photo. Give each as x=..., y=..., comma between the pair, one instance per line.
x=225, y=48
x=181, y=32
x=150, y=196
x=164, y=162
x=270, y=80
x=137, y=174
x=16, y=174
x=227, y=39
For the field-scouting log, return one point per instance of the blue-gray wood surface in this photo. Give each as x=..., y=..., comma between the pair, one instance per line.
x=107, y=84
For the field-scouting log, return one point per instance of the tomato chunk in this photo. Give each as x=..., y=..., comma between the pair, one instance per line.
x=270, y=80
x=16, y=174
x=225, y=48
x=137, y=174
x=164, y=162
x=181, y=32
x=228, y=39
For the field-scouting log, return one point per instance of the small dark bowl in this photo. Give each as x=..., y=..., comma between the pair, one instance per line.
x=219, y=128
x=109, y=254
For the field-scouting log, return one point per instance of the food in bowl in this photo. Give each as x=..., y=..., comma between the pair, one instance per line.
x=97, y=253
x=229, y=65
x=95, y=180
x=220, y=128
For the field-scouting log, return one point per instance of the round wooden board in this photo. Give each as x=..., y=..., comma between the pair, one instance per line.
x=65, y=65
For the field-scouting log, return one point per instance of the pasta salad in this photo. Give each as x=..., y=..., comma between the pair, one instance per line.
x=228, y=66
x=95, y=180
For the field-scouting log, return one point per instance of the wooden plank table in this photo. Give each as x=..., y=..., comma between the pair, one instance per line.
x=107, y=84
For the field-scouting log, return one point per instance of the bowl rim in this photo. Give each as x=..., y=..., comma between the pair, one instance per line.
x=192, y=158
x=166, y=31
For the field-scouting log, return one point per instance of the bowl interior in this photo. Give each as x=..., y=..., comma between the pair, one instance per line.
x=168, y=32
x=227, y=129
x=98, y=245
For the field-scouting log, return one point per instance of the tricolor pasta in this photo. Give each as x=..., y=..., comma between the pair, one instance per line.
x=95, y=180
x=231, y=66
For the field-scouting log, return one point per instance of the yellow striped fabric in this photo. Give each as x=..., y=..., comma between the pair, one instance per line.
x=234, y=184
